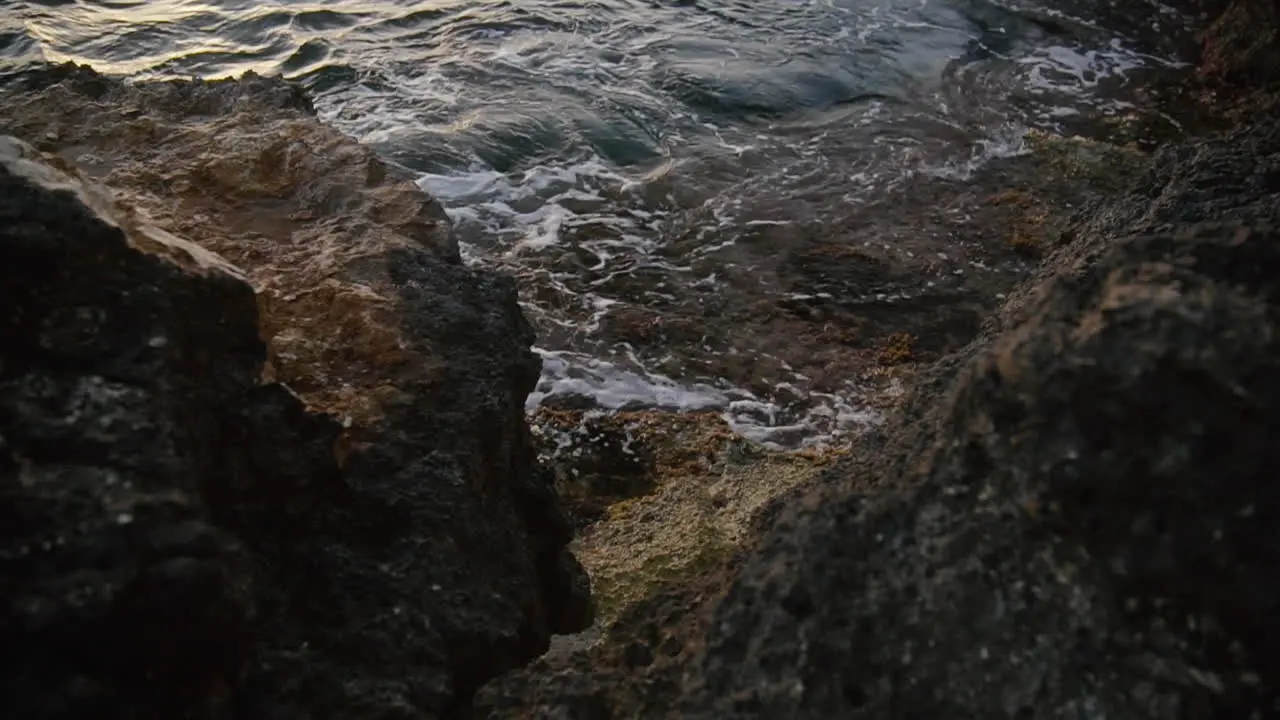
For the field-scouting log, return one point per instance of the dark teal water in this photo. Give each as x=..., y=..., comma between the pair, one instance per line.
x=568, y=140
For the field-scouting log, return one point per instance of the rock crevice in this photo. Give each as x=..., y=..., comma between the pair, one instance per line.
x=1073, y=516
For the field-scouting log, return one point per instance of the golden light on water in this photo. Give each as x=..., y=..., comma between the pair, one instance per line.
x=134, y=38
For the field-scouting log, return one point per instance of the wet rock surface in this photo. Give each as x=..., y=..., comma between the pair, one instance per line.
x=657, y=556
x=371, y=538
x=1070, y=516
x=1083, y=526
x=800, y=313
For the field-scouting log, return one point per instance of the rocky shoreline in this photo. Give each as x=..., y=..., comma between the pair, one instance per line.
x=875, y=587
x=263, y=451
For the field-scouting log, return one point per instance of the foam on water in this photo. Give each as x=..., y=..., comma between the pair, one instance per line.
x=1066, y=77
x=571, y=378
x=612, y=386
x=1007, y=142
x=607, y=154
x=504, y=216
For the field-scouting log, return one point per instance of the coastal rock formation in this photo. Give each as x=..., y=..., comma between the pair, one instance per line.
x=1071, y=517
x=301, y=485
x=185, y=536
x=1084, y=525
x=1242, y=45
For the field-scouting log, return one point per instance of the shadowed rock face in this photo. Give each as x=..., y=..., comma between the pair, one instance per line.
x=1084, y=526
x=1242, y=46
x=181, y=535
x=125, y=377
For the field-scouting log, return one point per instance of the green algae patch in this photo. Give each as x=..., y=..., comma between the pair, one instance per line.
x=1100, y=166
x=619, y=587
x=706, y=491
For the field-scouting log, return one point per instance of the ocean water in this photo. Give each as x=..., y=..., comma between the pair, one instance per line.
x=615, y=155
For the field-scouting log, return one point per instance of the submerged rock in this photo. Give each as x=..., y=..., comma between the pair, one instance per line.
x=184, y=536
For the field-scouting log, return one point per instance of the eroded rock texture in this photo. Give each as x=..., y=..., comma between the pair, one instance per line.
x=1074, y=517
x=126, y=377
x=1084, y=527
x=185, y=537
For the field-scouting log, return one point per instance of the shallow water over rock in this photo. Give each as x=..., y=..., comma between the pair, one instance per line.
x=710, y=204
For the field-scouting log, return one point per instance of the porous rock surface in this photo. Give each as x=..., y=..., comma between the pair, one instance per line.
x=1072, y=517
x=1083, y=526
x=181, y=534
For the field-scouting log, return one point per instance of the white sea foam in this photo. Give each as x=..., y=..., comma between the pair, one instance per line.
x=1010, y=142
x=827, y=419
x=1068, y=79
x=612, y=386
x=722, y=179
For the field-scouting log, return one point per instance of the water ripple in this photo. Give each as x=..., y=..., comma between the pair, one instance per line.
x=609, y=153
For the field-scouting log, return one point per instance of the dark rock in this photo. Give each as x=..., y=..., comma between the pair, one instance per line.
x=1084, y=527
x=121, y=375
x=1242, y=46
x=181, y=539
